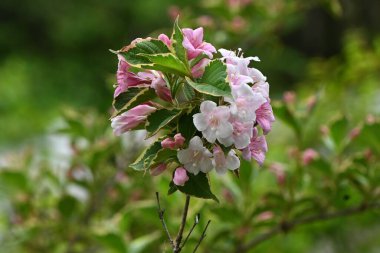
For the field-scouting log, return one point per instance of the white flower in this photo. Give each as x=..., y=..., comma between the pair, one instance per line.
x=241, y=135
x=223, y=163
x=196, y=157
x=212, y=121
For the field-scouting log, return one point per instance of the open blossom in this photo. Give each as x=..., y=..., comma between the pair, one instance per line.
x=213, y=122
x=199, y=68
x=126, y=79
x=196, y=157
x=194, y=44
x=173, y=143
x=257, y=148
x=265, y=117
x=241, y=135
x=131, y=119
x=180, y=176
x=245, y=102
x=222, y=163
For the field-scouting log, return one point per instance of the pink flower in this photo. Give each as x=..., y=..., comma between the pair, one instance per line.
x=126, y=79
x=180, y=176
x=196, y=157
x=262, y=87
x=241, y=135
x=212, y=121
x=158, y=83
x=199, y=68
x=223, y=163
x=194, y=44
x=131, y=119
x=158, y=169
x=245, y=102
x=164, y=38
x=279, y=171
x=257, y=148
x=265, y=117
x=308, y=156
x=173, y=143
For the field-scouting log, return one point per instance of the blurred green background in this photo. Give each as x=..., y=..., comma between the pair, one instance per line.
x=64, y=182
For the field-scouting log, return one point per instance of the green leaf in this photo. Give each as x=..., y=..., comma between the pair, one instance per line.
x=67, y=206
x=198, y=186
x=177, y=40
x=186, y=126
x=148, y=153
x=213, y=81
x=133, y=97
x=149, y=46
x=159, y=119
x=163, y=155
x=167, y=63
x=339, y=131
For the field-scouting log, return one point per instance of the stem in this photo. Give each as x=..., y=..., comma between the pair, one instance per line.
x=202, y=236
x=161, y=216
x=177, y=245
x=287, y=226
x=196, y=221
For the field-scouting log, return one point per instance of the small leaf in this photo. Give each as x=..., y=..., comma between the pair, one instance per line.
x=198, y=186
x=213, y=81
x=160, y=119
x=177, y=40
x=148, y=152
x=132, y=97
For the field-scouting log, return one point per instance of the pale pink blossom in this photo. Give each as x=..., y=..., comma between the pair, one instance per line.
x=223, y=163
x=164, y=38
x=245, y=102
x=126, y=79
x=158, y=169
x=196, y=157
x=131, y=119
x=173, y=143
x=194, y=44
x=241, y=135
x=158, y=83
x=308, y=156
x=265, y=117
x=212, y=121
x=256, y=149
x=262, y=88
x=180, y=176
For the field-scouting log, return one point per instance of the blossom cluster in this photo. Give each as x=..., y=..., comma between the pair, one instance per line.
x=231, y=115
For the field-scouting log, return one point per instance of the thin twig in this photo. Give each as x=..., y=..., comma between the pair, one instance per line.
x=177, y=245
x=196, y=221
x=161, y=216
x=202, y=236
x=287, y=226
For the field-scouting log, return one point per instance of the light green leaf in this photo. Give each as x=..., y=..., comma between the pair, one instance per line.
x=167, y=63
x=198, y=186
x=159, y=119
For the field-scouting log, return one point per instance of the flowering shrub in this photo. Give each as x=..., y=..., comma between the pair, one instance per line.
x=206, y=111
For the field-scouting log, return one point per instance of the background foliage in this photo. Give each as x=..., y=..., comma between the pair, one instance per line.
x=65, y=185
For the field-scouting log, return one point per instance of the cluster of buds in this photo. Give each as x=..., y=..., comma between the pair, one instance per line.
x=207, y=111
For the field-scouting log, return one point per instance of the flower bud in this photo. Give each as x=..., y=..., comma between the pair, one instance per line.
x=158, y=169
x=180, y=176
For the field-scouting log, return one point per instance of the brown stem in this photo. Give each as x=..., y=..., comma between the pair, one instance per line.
x=287, y=226
x=161, y=216
x=177, y=245
x=202, y=236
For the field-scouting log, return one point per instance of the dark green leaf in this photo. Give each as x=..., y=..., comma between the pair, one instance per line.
x=160, y=119
x=198, y=186
x=132, y=97
x=67, y=206
x=186, y=126
x=148, y=153
x=162, y=156
x=112, y=242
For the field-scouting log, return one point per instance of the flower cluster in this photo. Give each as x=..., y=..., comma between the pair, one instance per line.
x=208, y=110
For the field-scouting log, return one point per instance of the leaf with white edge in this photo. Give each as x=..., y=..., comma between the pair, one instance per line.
x=159, y=119
x=162, y=156
x=177, y=40
x=146, y=154
x=198, y=186
x=132, y=97
x=148, y=46
x=167, y=62
x=214, y=80
x=209, y=89
x=197, y=59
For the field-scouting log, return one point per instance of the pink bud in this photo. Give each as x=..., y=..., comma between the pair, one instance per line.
x=179, y=140
x=173, y=143
x=180, y=176
x=158, y=169
x=354, y=133
x=164, y=38
x=267, y=215
x=168, y=143
x=279, y=171
x=308, y=156
x=289, y=97
x=162, y=91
